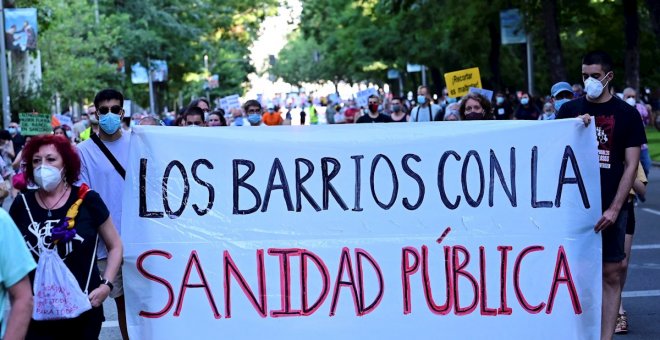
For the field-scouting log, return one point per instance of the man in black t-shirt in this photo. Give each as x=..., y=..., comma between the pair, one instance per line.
x=374, y=116
x=620, y=134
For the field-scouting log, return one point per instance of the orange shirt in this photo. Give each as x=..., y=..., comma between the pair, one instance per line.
x=272, y=118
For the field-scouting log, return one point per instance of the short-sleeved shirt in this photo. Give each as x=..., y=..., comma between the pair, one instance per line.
x=77, y=253
x=531, y=112
x=272, y=118
x=15, y=259
x=101, y=176
x=618, y=126
x=424, y=113
x=382, y=118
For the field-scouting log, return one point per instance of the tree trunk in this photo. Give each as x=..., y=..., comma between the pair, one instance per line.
x=556, y=69
x=437, y=79
x=654, y=11
x=494, y=55
x=631, y=22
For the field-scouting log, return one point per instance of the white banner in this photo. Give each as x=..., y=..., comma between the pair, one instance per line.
x=467, y=229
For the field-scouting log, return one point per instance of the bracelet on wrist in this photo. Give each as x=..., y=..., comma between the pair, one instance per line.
x=107, y=283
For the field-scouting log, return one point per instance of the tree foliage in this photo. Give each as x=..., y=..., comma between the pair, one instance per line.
x=356, y=36
x=81, y=56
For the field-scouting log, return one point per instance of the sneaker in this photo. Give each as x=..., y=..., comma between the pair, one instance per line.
x=621, y=324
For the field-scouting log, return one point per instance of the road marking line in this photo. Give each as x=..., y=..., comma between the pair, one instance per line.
x=641, y=293
x=646, y=246
x=109, y=324
x=652, y=211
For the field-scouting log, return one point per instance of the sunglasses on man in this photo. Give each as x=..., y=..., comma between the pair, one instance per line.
x=116, y=109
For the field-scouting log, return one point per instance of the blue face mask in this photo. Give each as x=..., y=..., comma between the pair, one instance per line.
x=559, y=103
x=12, y=130
x=451, y=100
x=110, y=122
x=254, y=118
x=238, y=121
x=499, y=100
x=524, y=101
x=421, y=99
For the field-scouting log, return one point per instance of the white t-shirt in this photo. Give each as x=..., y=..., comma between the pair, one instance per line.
x=101, y=176
x=424, y=114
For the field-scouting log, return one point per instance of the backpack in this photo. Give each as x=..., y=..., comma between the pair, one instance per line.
x=57, y=294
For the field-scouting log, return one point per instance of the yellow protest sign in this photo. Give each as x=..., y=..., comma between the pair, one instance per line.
x=459, y=82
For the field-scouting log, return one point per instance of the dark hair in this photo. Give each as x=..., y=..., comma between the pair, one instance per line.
x=193, y=111
x=374, y=96
x=397, y=98
x=598, y=58
x=63, y=146
x=485, y=104
x=251, y=102
x=221, y=114
x=108, y=94
x=5, y=135
x=196, y=102
x=59, y=127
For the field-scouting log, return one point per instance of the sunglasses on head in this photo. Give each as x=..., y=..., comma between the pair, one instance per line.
x=116, y=109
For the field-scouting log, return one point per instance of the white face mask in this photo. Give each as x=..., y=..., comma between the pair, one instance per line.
x=594, y=87
x=47, y=177
x=631, y=101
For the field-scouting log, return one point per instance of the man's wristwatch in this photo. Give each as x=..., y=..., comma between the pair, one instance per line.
x=107, y=283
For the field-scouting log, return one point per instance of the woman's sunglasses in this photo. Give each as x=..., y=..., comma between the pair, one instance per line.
x=116, y=109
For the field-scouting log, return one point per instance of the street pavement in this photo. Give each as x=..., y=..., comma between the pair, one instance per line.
x=641, y=296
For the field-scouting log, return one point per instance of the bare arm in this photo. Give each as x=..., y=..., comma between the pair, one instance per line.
x=625, y=184
x=112, y=241
x=20, y=295
x=17, y=161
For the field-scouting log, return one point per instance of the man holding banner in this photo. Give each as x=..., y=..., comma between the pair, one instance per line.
x=620, y=134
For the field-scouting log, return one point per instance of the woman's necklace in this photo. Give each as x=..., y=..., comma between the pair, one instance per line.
x=66, y=189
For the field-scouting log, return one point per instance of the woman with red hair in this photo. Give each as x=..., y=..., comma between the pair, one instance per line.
x=46, y=218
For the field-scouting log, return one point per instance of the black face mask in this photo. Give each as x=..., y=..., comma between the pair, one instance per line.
x=474, y=116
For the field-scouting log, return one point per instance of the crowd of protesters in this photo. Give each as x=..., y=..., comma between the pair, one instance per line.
x=74, y=176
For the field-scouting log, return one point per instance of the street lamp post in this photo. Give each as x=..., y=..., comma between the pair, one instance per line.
x=6, y=100
x=208, y=74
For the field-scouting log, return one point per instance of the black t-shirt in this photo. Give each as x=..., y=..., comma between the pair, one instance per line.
x=531, y=112
x=618, y=126
x=503, y=112
x=19, y=142
x=77, y=253
x=380, y=119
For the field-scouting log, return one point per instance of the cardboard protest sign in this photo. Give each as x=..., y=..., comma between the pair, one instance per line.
x=33, y=124
x=488, y=94
x=230, y=102
x=362, y=97
x=365, y=231
x=459, y=82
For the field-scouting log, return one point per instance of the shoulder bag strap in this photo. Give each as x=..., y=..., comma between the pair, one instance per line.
x=430, y=113
x=91, y=266
x=109, y=155
x=27, y=208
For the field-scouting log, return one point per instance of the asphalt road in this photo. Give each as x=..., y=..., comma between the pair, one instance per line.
x=642, y=290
